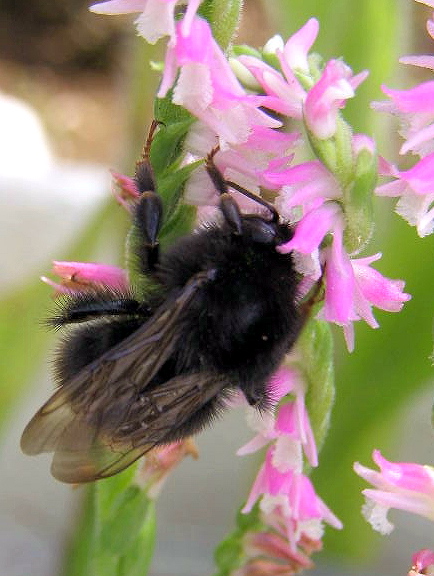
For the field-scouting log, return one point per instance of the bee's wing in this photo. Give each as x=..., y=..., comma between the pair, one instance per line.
x=103, y=419
x=83, y=453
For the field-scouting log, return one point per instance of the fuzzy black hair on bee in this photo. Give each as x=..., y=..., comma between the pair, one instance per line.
x=134, y=374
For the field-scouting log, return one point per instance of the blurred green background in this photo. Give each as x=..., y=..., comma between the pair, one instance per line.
x=88, y=80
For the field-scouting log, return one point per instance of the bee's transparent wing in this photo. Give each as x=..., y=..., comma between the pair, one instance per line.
x=104, y=418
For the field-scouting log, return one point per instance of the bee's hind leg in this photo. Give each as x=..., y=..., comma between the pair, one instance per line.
x=87, y=306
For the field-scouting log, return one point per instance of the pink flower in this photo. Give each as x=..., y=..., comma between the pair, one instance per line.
x=290, y=429
x=79, y=276
x=401, y=485
x=311, y=229
x=327, y=96
x=284, y=92
x=293, y=496
x=268, y=553
x=415, y=187
x=305, y=185
x=284, y=95
x=295, y=52
x=125, y=189
x=207, y=87
x=352, y=288
x=160, y=462
x=244, y=163
x=423, y=563
x=415, y=109
x=157, y=18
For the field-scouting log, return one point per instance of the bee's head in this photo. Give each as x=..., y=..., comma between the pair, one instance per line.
x=254, y=227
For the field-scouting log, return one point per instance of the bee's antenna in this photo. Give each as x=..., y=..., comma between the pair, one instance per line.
x=144, y=174
x=223, y=185
x=147, y=146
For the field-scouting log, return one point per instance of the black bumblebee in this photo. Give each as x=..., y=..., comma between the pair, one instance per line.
x=138, y=374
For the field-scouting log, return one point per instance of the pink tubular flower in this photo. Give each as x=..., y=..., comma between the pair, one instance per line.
x=401, y=485
x=292, y=495
x=208, y=88
x=310, y=231
x=305, y=185
x=125, y=189
x=284, y=95
x=415, y=187
x=352, y=288
x=289, y=427
x=284, y=92
x=157, y=18
x=244, y=163
x=423, y=563
x=160, y=462
x=327, y=96
x=295, y=52
x=415, y=109
x=79, y=276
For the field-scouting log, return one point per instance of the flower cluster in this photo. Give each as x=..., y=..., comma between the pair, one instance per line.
x=414, y=108
x=291, y=512
x=317, y=195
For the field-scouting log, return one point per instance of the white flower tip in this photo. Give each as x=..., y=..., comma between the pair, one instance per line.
x=376, y=515
x=273, y=45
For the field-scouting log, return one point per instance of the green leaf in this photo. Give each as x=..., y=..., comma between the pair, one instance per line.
x=169, y=113
x=167, y=144
x=170, y=187
x=125, y=520
x=249, y=521
x=228, y=553
x=138, y=558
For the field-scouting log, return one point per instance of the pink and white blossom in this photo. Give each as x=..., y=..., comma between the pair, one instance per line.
x=353, y=287
x=285, y=94
x=294, y=55
x=415, y=110
x=327, y=97
x=401, y=485
x=157, y=17
x=415, y=189
x=246, y=163
x=208, y=88
x=291, y=424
